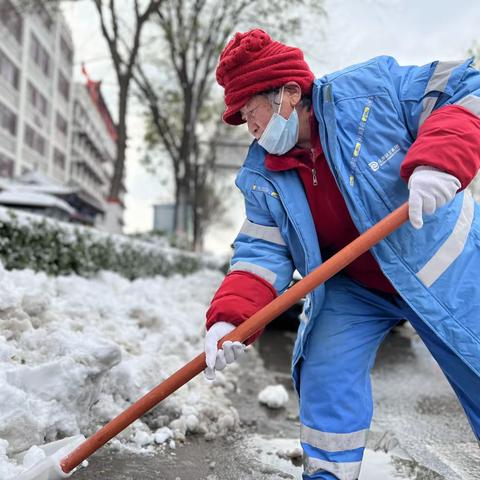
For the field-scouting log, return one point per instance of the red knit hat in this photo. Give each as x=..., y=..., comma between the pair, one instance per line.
x=252, y=63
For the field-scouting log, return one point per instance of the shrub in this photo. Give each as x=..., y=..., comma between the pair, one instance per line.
x=58, y=248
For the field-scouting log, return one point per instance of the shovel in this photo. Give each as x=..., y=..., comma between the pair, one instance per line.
x=65, y=455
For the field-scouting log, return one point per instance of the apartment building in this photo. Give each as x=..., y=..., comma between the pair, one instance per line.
x=93, y=152
x=49, y=124
x=36, y=65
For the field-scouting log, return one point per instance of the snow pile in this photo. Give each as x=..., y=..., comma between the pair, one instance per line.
x=291, y=453
x=76, y=352
x=273, y=396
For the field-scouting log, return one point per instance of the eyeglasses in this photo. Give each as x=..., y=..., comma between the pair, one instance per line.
x=250, y=114
x=264, y=99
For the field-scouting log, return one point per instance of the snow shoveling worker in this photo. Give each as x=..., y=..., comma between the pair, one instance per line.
x=330, y=158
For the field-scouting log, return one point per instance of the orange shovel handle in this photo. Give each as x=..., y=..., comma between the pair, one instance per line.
x=255, y=323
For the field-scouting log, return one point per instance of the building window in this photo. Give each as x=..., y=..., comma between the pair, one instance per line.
x=34, y=140
x=11, y=19
x=62, y=125
x=8, y=120
x=8, y=71
x=37, y=100
x=66, y=51
x=39, y=55
x=6, y=166
x=63, y=86
x=59, y=159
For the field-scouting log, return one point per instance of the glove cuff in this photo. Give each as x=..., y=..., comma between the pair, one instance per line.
x=428, y=168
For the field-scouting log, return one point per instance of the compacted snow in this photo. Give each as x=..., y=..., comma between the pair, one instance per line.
x=75, y=352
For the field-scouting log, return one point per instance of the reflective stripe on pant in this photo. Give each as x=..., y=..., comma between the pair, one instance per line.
x=335, y=392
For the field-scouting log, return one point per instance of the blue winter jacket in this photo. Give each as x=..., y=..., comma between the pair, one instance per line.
x=369, y=115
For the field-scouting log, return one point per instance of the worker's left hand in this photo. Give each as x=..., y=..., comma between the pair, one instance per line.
x=430, y=189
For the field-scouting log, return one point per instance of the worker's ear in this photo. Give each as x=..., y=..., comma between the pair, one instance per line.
x=293, y=92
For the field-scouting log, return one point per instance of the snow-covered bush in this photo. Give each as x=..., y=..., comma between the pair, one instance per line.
x=57, y=248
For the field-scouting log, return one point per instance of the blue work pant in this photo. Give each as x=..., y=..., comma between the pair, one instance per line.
x=334, y=379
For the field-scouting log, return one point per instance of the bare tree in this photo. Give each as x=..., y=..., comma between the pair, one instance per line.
x=184, y=112
x=124, y=45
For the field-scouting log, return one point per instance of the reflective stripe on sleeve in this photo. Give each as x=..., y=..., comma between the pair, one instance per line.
x=263, y=272
x=343, y=470
x=270, y=234
x=438, y=82
x=333, y=442
x=453, y=245
x=470, y=102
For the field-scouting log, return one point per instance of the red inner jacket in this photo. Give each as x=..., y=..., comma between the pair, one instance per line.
x=448, y=140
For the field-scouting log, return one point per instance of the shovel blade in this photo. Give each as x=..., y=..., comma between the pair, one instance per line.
x=49, y=467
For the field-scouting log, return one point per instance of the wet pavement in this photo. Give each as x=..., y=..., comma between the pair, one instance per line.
x=419, y=430
x=416, y=407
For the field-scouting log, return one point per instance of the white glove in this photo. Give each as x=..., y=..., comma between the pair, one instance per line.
x=430, y=189
x=218, y=359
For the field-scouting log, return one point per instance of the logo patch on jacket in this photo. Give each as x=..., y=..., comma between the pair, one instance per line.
x=384, y=158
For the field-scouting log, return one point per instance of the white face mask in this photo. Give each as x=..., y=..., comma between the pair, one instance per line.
x=280, y=134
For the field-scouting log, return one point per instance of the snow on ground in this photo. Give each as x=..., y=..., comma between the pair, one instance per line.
x=75, y=352
x=274, y=396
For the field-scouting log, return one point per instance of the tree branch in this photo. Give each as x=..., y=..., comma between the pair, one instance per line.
x=116, y=59
x=163, y=127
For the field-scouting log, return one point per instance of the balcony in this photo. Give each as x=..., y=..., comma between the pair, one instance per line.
x=34, y=160
x=82, y=150
x=47, y=37
x=9, y=95
x=36, y=118
x=62, y=104
x=81, y=180
x=43, y=83
x=90, y=165
x=8, y=141
x=61, y=140
x=66, y=67
x=59, y=174
x=10, y=44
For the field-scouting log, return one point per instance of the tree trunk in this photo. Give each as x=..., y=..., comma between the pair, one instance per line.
x=182, y=208
x=119, y=168
x=197, y=231
x=176, y=213
x=196, y=212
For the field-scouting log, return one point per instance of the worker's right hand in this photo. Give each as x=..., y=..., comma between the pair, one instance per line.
x=430, y=189
x=218, y=359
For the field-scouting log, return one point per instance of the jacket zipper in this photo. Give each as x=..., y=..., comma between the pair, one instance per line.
x=314, y=170
x=289, y=216
x=333, y=168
